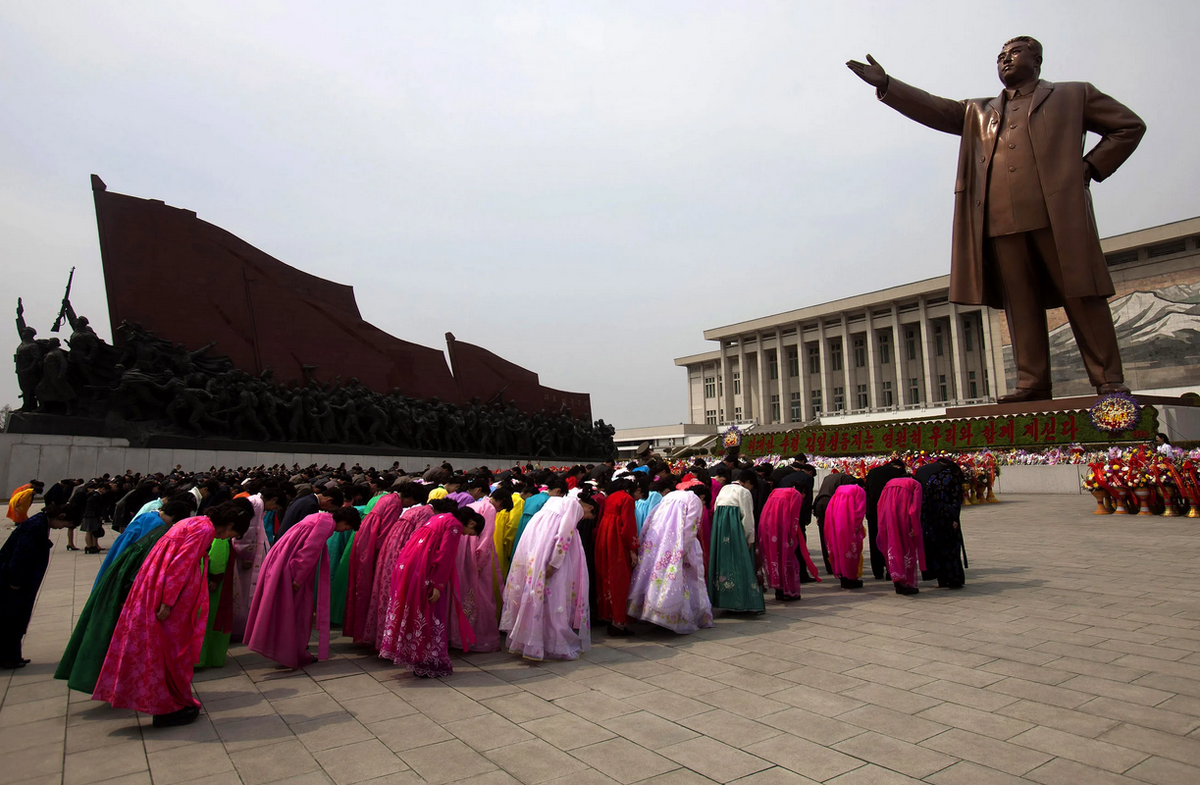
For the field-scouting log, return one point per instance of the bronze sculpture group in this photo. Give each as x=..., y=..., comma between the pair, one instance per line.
x=168, y=389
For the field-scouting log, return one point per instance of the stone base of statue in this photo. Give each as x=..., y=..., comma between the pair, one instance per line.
x=1036, y=425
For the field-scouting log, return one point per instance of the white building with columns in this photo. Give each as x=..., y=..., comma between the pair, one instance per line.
x=862, y=357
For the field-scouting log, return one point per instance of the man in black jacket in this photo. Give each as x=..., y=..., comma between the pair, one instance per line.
x=23, y=561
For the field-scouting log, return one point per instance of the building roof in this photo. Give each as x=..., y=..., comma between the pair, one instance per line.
x=904, y=291
x=1151, y=235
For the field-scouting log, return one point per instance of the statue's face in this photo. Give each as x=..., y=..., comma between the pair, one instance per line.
x=1017, y=63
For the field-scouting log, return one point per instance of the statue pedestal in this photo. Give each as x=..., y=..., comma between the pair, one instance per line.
x=1055, y=405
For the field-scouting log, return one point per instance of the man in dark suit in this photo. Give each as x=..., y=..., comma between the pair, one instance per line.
x=1024, y=231
x=876, y=479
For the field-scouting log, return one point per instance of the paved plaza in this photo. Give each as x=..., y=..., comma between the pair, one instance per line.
x=1072, y=656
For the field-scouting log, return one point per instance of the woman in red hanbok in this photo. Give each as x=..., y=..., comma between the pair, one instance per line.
x=425, y=593
x=616, y=554
x=157, y=641
x=411, y=519
x=900, y=537
x=779, y=542
x=363, y=553
x=844, y=533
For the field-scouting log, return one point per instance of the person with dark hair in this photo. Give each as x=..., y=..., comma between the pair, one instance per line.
x=829, y=487
x=414, y=517
x=360, y=578
x=667, y=587
x=151, y=659
x=1162, y=445
x=324, y=499
x=593, y=505
x=663, y=484
x=941, y=529
x=294, y=581
x=178, y=508
x=555, y=487
x=877, y=480
x=546, y=608
x=732, y=582
x=479, y=579
x=616, y=552
x=780, y=547
x=24, y=558
x=249, y=551
x=424, y=595
x=844, y=533
x=93, y=525
x=220, y=591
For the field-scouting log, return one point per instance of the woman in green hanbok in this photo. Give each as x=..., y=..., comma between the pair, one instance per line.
x=220, y=607
x=732, y=578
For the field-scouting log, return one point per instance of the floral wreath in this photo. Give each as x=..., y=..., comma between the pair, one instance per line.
x=1115, y=412
x=732, y=437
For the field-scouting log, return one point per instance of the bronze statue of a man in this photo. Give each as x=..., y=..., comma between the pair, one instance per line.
x=1024, y=230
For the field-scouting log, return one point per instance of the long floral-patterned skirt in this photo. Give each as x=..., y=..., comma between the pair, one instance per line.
x=732, y=583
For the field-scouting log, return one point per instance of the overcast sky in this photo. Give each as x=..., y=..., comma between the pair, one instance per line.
x=582, y=188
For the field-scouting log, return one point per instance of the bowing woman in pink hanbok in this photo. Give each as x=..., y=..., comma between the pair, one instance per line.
x=546, y=611
x=149, y=664
x=248, y=554
x=368, y=542
x=413, y=518
x=425, y=596
x=479, y=577
x=668, y=586
x=900, y=537
x=293, y=581
x=779, y=542
x=844, y=533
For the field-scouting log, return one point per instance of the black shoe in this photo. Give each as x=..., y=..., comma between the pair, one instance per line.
x=72, y=548
x=851, y=583
x=184, y=716
x=619, y=632
x=902, y=589
x=12, y=665
x=781, y=597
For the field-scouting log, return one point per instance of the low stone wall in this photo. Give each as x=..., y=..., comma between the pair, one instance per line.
x=51, y=458
x=1063, y=479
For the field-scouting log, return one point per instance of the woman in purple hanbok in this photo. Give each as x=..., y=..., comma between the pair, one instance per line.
x=479, y=577
x=546, y=611
x=668, y=587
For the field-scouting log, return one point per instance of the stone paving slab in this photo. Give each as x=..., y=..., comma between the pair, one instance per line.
x=1072, y=656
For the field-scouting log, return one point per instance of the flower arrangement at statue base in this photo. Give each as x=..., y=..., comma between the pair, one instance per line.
x=1143, y=482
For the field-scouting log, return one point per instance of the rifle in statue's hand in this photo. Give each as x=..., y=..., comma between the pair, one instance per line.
x=66, y=304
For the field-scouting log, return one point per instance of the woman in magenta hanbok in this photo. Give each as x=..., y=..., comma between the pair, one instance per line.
x=410, y=520
x=844, y=533
x=546, y=611
x=668, y=586
x=294, y=581
x=779, y=542
x=248, y=554
x=424, y=595
x=150, y=661
x=900, y=537
x=364, y=552
x=479, y=577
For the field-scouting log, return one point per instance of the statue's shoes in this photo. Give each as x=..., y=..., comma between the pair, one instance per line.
x=1111, y=387
x=1022, y=395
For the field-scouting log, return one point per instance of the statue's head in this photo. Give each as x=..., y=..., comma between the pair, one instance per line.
x=82, y=321
x=53, y=343
x=1020, y=60
x=28, y=333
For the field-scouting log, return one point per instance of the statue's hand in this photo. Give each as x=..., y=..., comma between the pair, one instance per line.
x=20, y=307
x=870, y=72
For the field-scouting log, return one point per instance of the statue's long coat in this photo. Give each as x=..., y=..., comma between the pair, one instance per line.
x=1059, y=116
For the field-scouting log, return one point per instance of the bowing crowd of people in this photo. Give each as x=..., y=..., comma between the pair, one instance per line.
x=413, y=566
